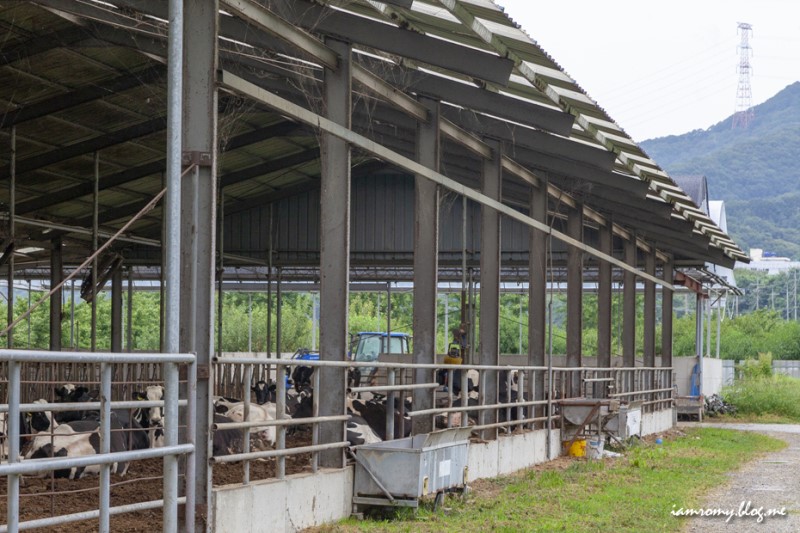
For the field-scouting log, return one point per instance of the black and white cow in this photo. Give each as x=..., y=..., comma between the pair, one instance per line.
x=151, y=418
x=257, y=413
x=225, y=441
x=72, y=439
x=71, y=393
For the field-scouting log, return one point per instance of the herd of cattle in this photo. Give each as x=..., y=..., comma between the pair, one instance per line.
x=77, y=433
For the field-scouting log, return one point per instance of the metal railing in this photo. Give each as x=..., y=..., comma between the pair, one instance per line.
x=529, y=400
x=14, y=468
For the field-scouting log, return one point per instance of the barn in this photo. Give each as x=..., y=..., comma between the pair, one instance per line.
x=340, y=145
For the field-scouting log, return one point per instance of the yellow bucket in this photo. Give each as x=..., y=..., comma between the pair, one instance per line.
x=578, y=449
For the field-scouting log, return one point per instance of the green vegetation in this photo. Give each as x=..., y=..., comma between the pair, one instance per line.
x=758, y=393
x=634, y=493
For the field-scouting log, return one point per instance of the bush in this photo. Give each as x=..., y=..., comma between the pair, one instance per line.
x=756, y=368
x=776, y=395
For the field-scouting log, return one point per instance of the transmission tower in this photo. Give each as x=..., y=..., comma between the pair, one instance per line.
x=743, y=115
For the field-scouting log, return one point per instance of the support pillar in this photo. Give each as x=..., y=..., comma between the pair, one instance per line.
x=334, y=251
x=575, y=298
x=116, y=310
x=537, y=293
x=12, y=203
x=649, y=336
x=426, y=251
x=666, y=316
x=629, y=307
x=198, y=227
x=490, y=285
x=56, y=276
x=604, y=283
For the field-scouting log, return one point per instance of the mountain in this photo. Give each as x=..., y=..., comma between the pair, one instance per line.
x=756, y=171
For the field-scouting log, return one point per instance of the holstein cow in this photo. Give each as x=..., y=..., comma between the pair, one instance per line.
x=71, y=393
x=73, y=439
x=225, y=441
x=151, y=418
x=258, y=413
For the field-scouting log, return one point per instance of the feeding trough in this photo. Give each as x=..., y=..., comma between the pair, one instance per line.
x=400, y=472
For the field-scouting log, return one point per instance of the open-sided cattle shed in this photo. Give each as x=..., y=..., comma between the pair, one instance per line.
x=338, y=142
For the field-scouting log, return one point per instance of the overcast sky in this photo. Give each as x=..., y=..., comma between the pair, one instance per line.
x=665, y=67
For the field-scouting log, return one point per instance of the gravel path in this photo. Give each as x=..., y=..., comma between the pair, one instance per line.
x=770, y=482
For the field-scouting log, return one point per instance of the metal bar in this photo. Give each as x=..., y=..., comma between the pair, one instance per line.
x=12, y=211
x=84, y=406
x=666, y=317
x=88, y=515
x=280, y=409
x=278, y=453
x=44, y=356
x=105, y=444
x=190, y=438
x=575, y=295
x=171, y=423
x=248, y=380
x=13, y=429
x=649, y=318
x=95, y=244
x=129, y=325
x=629, y=307
x=34, y=466
x=383, y=388
x=279, y=423
x=238, y=85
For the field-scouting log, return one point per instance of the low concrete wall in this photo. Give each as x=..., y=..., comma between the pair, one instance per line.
x=657, y=422
x=288, y=505
x=510, y=453
x=713, y=375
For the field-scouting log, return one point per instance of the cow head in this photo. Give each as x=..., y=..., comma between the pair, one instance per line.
x=262, y=391
x=151, y=416
x=41, y=420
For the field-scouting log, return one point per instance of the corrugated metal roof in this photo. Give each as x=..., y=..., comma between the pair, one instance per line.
x=88, y=76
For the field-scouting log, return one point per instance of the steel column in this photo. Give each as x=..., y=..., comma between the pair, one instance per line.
x=649, y=336
x=604, y=283
x=666, y=317
x=629, y=307
x=129, y=304
x=575, y=296
x=12, y=202
x=426, y=251
x=95, y=245
x=198, y=227
x=537, y=292
x=490, y=284
x=334, y=250
x=116, y=310
x=56, y=275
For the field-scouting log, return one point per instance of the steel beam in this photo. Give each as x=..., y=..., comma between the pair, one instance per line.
x=666, y=317
x=489, y=353
x=398, y=41
x=604, y=280
x=649, y=335
x=575, y=296
x=56, y=275
x=537, y=291
x=86, y=147
x=239, y=85
x=426, y=247
x=334, y=250
x=198, y=225
x=629, y=307
x=116, y=310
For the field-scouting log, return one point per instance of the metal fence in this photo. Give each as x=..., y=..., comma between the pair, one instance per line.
x=785, y=367
x=17, y=361
x=530, y=401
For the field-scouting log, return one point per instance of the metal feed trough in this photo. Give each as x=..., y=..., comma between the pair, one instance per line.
x=399, y=472
x=589, y=417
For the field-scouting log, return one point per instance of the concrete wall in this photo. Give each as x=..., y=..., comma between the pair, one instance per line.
x=657, y=422
x=713, y=375
x=288, y=505
x=510, y=453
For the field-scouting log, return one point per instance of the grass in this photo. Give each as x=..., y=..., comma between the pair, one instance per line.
x=632, y=493
x=766, y=396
